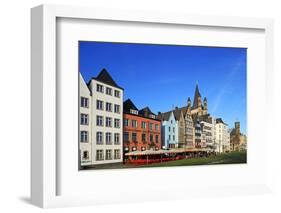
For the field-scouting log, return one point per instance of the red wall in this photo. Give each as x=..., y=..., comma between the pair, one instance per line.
x=139, y=131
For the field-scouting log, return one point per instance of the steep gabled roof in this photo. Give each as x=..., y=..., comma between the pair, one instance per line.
x=196, y=96
x=106, y=78
x=219, y=120
x=177, y=113
x=146, y=112
x=164, y=116
x=127, y=105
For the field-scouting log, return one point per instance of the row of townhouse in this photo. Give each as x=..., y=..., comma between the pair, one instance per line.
x=192, y=126
x=109, y=127
x=106, y=131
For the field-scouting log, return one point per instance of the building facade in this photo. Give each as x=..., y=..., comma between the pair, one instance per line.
x=222, y=136
x=198, y=134
x=189, y=128
x=105, y=113
x=207, y=132
x=85, y=126
x=142, y=130
x=238, y=141
x=169, y=130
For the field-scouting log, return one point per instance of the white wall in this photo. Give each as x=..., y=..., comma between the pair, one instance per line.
x=113, y=100
x=85, y=92
x=221, y=136
x=15, y=99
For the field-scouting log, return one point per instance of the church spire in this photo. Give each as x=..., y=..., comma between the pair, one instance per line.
x=197, y=97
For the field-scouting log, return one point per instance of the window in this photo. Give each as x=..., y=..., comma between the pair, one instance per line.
x=84, y=119
x=108, y=107
x=143, y=137
x=108, y=138
x=108, y=154
x=156, y=127
x=126, y=122
x=116, y=138
x=100, y=104
x=173, y=129
x=84, y=136
x=152, y=116
x=169, y=129
x=157, y=138
x=99, y=138
x=85, y=155
x=143, y=125
x=84, y=102
x=151, y=138
x=134, y=124
x=108, y=91
x=169, y=137
x=126, y=136
x=99, y=88
x=116, y=108
x=99, y=120
x=99, y=155
x=117, y=154
x=117, y=123
x=132, y=111
x=108, y=122
x=134, y=136
x=117, y=93
x=173, y=137
x=150, y=126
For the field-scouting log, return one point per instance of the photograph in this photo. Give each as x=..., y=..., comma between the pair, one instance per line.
x=161, y=105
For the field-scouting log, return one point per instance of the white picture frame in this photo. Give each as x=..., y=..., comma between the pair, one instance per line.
x=45, y=171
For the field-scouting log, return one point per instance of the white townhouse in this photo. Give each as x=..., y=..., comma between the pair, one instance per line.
x=85, y=126
x=106, y=121
x=222, y=136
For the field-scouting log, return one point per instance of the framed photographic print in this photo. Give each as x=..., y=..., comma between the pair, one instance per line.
x=131, y=101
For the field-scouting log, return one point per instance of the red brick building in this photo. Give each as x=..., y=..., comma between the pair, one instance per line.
x=141, y=129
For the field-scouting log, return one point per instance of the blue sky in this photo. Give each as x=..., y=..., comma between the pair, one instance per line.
x=164, y=76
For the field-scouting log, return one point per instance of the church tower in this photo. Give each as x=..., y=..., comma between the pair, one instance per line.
x=205, y=107
x=188, y=105
x=237, y=128
x=197, y=103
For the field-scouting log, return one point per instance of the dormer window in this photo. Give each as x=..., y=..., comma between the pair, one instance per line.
x=152, y=116
x=132, y=111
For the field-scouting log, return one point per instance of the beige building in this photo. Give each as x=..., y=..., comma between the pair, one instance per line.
x=189, y=136
x=238, y=141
